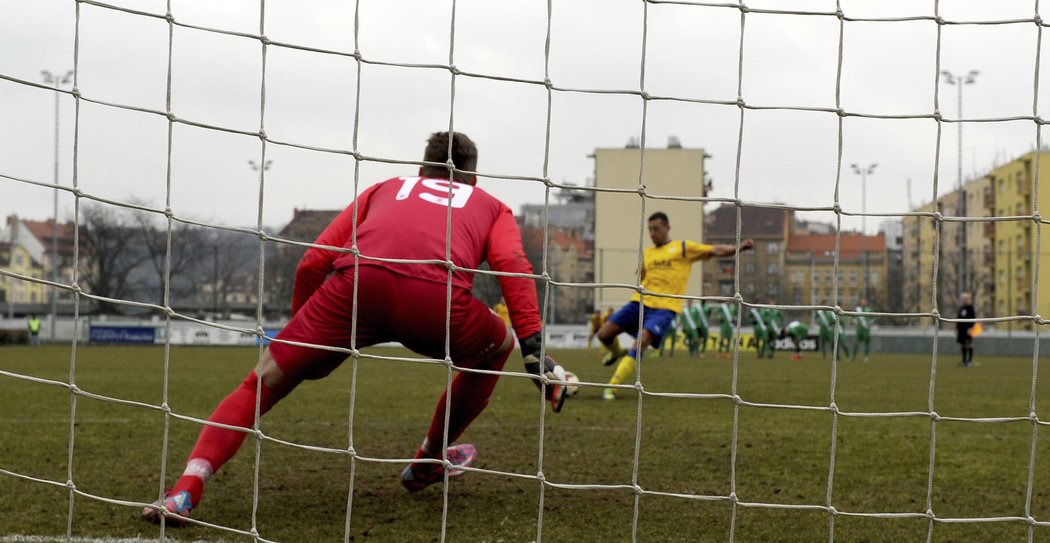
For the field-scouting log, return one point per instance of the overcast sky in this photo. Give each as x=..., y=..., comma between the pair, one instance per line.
x=691, y=56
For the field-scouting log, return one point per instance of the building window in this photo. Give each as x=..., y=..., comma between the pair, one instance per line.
x=853, y=277
x=773, y=248
x=772, y=269
x=772, y=289
x=726, y=266
x=874, y=277
x=816, y=277
x=749, y=289
x=1002, y=185
x=725, y=288
x=749, y=268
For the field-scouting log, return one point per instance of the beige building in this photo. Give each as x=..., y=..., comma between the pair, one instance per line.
x=620, y=216
x=862, y=270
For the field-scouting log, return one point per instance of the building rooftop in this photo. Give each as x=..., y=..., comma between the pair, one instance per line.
x=850, y=245
x=307, y=224
x=754, y=222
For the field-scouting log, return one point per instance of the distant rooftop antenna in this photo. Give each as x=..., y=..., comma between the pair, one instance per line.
x=633, y=143
x=674, y=143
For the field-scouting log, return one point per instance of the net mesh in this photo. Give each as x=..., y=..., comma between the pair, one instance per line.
x=742, y=108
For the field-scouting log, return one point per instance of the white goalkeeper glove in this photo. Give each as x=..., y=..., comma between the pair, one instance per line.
x=530, y=352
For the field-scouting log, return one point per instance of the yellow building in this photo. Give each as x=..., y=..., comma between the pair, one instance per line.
x=999, y=255
x=927, y=242
x=1013, y=187
x=979, y=278
x=620, y=220
x=17, y=259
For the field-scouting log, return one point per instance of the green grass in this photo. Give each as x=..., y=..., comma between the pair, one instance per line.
x=783, y=455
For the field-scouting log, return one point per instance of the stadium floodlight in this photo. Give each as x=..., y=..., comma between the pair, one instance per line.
x=960, y=81
x=57, y=81
x=864, y=173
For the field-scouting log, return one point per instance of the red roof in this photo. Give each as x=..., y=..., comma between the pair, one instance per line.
x=43, y=230
x=850, y=245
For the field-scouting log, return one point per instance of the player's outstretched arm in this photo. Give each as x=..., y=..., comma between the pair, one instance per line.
x=730, y=250
x=531, y=347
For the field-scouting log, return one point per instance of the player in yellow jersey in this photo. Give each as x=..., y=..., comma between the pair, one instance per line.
x=665, y=270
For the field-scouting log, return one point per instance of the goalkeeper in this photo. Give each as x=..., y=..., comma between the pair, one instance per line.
x=394, y=301
x=665, y=270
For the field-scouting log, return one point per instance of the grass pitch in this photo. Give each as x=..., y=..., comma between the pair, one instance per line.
x=684, y=453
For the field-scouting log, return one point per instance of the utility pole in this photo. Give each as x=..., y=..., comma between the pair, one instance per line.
x=57, y=81
x=960, y=81
x=864, y=173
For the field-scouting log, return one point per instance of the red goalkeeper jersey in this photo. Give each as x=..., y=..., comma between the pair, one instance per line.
x=407, y=218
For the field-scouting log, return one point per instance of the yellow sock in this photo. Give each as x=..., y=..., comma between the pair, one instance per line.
x=615, y=348
x=624, y=370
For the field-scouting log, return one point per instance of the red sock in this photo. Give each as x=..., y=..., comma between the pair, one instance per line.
x=470, y=394
x=217, y=445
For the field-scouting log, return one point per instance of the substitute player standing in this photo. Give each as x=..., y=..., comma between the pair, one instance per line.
x=665, y=270
x=394, y=301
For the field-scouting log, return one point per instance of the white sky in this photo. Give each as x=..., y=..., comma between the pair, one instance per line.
x=889, y=68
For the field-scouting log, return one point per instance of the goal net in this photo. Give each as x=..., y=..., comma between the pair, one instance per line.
x=899, y=146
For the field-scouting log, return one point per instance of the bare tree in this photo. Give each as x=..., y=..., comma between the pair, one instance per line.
x=173, y=270
x=109, y=240
x=234, y=266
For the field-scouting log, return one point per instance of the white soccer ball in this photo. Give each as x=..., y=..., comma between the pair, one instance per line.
x=571, y=389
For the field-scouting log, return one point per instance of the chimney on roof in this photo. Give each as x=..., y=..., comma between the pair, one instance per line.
x=674, y=143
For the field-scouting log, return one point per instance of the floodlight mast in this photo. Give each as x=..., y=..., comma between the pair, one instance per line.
x=960, y=81
x=56, y=81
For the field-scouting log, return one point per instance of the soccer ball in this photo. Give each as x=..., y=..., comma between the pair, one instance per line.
x=572, y=388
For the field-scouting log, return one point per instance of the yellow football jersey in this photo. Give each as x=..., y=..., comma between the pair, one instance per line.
x=665, y=270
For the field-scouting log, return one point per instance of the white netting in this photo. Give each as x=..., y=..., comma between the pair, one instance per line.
x=742, y=196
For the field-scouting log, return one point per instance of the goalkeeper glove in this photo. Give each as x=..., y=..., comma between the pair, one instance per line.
x=530, y=352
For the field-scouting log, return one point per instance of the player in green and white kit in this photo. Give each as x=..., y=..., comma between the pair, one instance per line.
x=671, y=336
x=703, y=326
x=773, y=318
x=727, y=312
x=826, y=321
x=862, y=335
x=761, y=332
x=689, y=328
x=797, y=331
